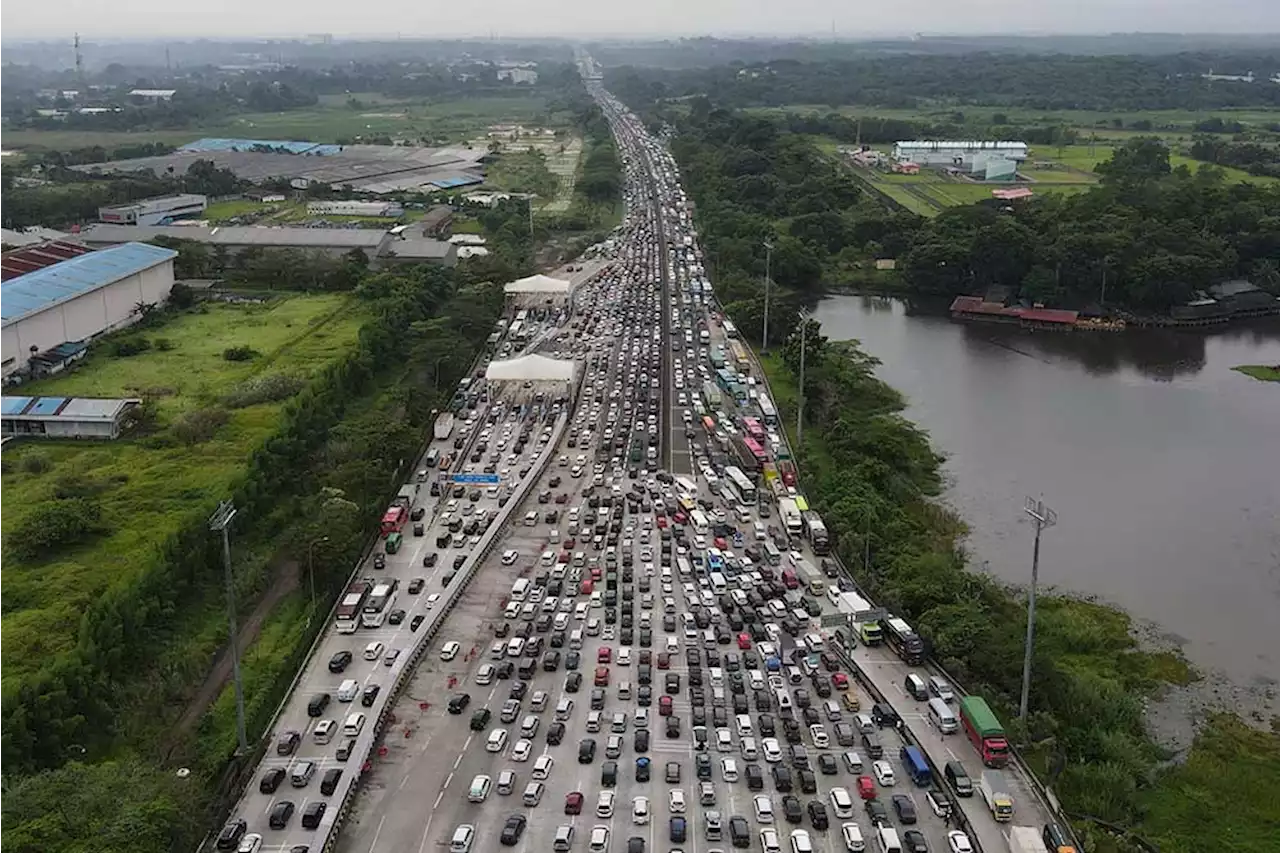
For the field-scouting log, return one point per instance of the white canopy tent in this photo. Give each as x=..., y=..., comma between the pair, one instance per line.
x=531, y=374
x=539, y=291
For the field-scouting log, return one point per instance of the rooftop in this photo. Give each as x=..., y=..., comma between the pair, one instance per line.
x=44, y=288
x=311, y=238
x=79, y=409
x=35, y=257
x=531, y=368
x=538, y=284
x=419, y=247
x=176, y=200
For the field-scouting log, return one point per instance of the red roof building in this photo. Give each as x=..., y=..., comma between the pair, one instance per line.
x=974, y=308
x=32, y=258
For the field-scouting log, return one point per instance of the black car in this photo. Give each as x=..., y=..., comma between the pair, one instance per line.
x=555, y=733
x=827, y=764
x=913, y=841
x=877, y=812
x=287, y=742
x=702, y=764
x=781, y=778
x=818, y=815
x=586, y=750
x=416, y=622
x=396, y=617
x=318, y=703
x=642, y=739
x=459, y=702
x=369, y=696
x=673, y=727
x=905, y=807
x=281, y=812
x=416, y=585
x=431, y=559
x=340, y=661
x=480, y=719
x=312, y=814
x=791, y=809
x=512, y=830
x=271, y=780
x=573, y=682
x=518, y=689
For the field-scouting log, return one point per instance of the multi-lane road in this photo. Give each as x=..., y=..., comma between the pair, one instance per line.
x=595, y=489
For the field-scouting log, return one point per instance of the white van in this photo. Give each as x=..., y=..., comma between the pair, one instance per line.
x=760, y=531
x=564, y=839
x=324, y=731
x=887, y=837
x=354, y=725
x=531, y=519
x=941, y=716
x=348, y=690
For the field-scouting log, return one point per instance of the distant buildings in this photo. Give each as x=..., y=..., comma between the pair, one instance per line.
x=385, y=209
x=985, y=161
x=518, y=75
x=155, y=211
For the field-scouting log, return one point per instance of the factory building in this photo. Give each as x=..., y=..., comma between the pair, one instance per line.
x=50, y=312
x=63, y=417
x=155, y=211
x=946, y=153
x=386, y=209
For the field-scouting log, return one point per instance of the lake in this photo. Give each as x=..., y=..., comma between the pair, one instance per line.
x=1162, y=463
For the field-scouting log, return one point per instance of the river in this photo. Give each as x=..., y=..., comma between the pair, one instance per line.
x=1162, y=463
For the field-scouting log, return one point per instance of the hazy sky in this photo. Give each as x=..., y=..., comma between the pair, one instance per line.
x=97, y=19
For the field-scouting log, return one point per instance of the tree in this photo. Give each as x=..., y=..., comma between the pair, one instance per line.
x=1137, y=161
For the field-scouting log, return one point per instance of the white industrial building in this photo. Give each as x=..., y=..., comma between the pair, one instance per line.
x=57, y=308
x=63, y=417
x=386, y=209
x=155, y=211
x=947, y=153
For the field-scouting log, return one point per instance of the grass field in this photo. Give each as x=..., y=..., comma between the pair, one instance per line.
x=149, y=486
x=1260, y=371
x=333, y=119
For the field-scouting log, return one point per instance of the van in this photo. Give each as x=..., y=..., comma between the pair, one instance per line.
x=941, y=716
x=871, y=743
x=941, y=688
x=301, y=772
x=348, y=690
x=533, y=793
x=462, y=838
x=575, y=639
x=324, y=731
x=887, y=838
x=354, y=725
x=959, y=779
x=760, y=533
x=794, y=676
x=772, y=555
x=914, y=685
x=563, y=839
x=564, y=709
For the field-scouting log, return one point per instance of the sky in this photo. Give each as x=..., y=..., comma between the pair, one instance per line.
x=102, y=19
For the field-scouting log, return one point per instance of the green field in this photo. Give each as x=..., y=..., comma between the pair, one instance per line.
x=453, y=121
x=147, y=487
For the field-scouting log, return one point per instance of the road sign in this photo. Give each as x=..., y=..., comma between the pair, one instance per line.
x=834, y=620
x=485, y=479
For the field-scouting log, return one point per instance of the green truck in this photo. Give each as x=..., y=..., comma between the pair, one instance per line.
x=984, y=731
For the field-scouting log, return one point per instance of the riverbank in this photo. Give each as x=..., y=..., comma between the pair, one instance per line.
x=876, y=479
x=1260, y=372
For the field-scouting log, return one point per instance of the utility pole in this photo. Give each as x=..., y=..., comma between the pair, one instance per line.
x=1043, y=517
x=768, y=261
x=219, y=522
x=311, y=570
x=804, y=330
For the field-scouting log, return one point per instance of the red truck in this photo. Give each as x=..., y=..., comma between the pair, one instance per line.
x=788, y=472
x=397, y=514
x=984, y=731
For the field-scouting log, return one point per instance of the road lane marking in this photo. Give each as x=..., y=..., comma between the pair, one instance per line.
x=376, y=833
x=439, y=797
x=447, y=780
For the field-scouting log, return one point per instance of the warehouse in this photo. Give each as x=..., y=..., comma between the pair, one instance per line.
x=69, y=302
x=236, y=239
x=63, y=417
x=386, y=209
x=948, y=153
x=155, y=211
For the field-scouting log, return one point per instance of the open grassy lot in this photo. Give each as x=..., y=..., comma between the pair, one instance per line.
x=148, y=486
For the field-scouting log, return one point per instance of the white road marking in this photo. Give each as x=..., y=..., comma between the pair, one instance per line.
x=447, y=780
x=376, y=833
x=439, y=797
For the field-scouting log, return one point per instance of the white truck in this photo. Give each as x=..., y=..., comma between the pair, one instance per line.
x=444, y=426
x=1026, y=839
x=995, y=792
x=790, y=514
x=870, y=633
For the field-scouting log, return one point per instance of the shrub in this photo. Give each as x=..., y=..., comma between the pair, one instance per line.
x=181, y=295
x=270, y=388
x=53, y=525
x=240, y=353
x=164, y=344
x=200, y=425
x=36, y=463
x=131, y=345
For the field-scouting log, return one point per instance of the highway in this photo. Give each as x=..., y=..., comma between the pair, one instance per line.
x=622, y=466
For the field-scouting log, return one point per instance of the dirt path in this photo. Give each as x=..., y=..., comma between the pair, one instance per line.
x=286, y=579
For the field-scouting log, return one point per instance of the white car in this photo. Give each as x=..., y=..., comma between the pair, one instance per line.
x=599, y=839
x=374, y=650
x=675, y=801
x=819, y=734
x=432, y=600
x=959, y=842
x=769, y=840
x=509, y=556
x=604, y=804
x=624, y=657
x=800, y=841
x=772, y=751
x=764, y=808
x=522, y=750
x=497, y=740
x=542, y=767
x=852, y=835
x=883, y=771
x=450, y=650
x=640, y=811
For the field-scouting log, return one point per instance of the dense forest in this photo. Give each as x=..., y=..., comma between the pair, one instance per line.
x=1050, y=82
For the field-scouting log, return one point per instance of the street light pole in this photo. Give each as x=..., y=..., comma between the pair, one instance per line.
x=768, y=262
x=311, y=569
x=1043, y=517
x=219, y=522
x=804, y=329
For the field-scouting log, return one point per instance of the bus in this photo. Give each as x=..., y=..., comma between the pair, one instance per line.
x=755, y=449
x=724, y=378
x=683, y=567
x=394, y=518
x=767, y=411
x=686, y=485
x=522, y=316
x=742, y=487
x=730, y=330
x=698, y=519
x=754, y=428
x=740, y=358
x=347, y=617
x=709, y=424
x=381, y=602
x=516, y=330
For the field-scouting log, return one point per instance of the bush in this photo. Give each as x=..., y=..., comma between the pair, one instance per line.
x=131, y=345
x=54, y=525
x=181, y=296
x=270, y=388
x=200, y=425
x=36, y=463
x=164, y=344
x=240, y=353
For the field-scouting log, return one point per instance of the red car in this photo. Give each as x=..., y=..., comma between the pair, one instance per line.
x=664, y=706
x=587, y=586
x=744, y=640
x=866, y=788
x=573, y=803
x=596, y=573
x=604, y=655
x=840, y=681
x=564, y=558
x=662, y=521
x=721, y=544
x=681, y=518
x=562, y=498
x=664, y=660
x=602, y=676
x=568, y=543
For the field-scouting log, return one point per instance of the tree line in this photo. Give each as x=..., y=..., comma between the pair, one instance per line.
x=1254, y=157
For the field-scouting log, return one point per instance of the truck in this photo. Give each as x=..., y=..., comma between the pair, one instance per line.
x=1025, y=839
x=409, y=492
x=869, y=630
x=444, y=425
x=347, y=614
x=790, y=514
x=746, y=459
x=711, y=394
x=817, y=533
x=904, y=641
x=393, y=520
x=787, y=469
x=984, y=731
x=995, y=792
x=717, y=358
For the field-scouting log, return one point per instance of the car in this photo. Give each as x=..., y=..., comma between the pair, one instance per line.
x=416, y=585
x=913, y=841
x=764, y=808
x=416, y=622
x=883, y=771
x=800, y=841
x=450, y=650
x=573, y=802
x=496, y=741
x=396, y=617
x=586, y=750
x=640, y=811
x=512, y=830
x=287, y=742
x=459, y=702
x=599, y=842
x=522, y=750
x=340, y=661
x=510, y=556
x=877, y=812
x=905, y=807
x=958, y=842
x=433, y=599
x=271, y=780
